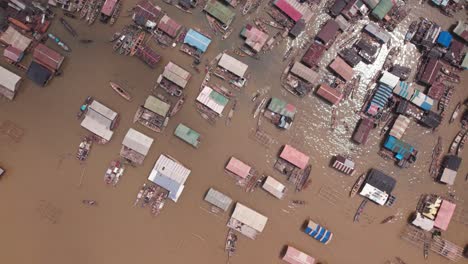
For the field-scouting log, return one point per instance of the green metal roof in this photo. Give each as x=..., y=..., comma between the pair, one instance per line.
x=219, y=98
x=382, y=9
x=159, y=107
x=187, y=134
x=220, y=11
x=281, y=107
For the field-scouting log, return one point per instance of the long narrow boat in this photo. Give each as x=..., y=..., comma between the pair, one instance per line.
x=59, y=42
x=137, y=43
x=177, y=106
x=455, y=113
x=231, y=240
x=231, y=113
x=456, y=142
x=360, y=209
x=140, y=194
x=116, y=13
x=259, y=107
x=68, y=27
x=357, y=185
x=84, y=148
x=388, y=219
x=120, y=91
x=462, y=144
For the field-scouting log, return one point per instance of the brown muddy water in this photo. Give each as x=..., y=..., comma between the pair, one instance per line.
x=44, y=221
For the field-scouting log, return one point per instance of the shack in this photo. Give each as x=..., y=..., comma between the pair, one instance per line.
x=450, y=165
x=318, y=232
x=368, y=49
x=288, y=9
x=48, y=57
x=298, y=28
x=402, y=150
x=107, y=9
x=292, y=157
x=331, y=95
x=378, y=33
x=404, y=89
x=461, y=30
x=337, y=7
x=328, y=32
x=340, y=67
x=169, y=174
x=294, y=256
x=343, y=165
x=13, y=54
x=154, y=114
x=135, y=146
x=305, y=73
x=280, y=113
x=218, y=199
x=379, y=100
x=351, y=56
x=197, y=41
x=188, y=135
x=444, y=215
x=378, y=187
x=444, y=39
x=15, y=39
x=428, y=73
x=301, y=79
x=389, y=79
x=399, y=127
x=169, y=26
x=212, y=100
x=371, y=3
x=361, y=134
x=146, y=14
x=313, y=55
x=9, y=83
x=255, y=39
x=247, y=221
x=274, y=187
x=100, y=120
x=39, y=74
x=174, y=79
x=431, y=119
x=238, y=169
x=219, y=11
x=382, y=9
x=232, y=65
x=423, y=101
x=343, y=24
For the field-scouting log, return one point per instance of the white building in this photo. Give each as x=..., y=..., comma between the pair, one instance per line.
x=100, y=120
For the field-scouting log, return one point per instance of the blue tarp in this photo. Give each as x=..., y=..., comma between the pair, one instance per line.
x=381, y=96
x=319, y=233
x=197, y=40
x=444, y=39
x=400, y=148
x=169, y=184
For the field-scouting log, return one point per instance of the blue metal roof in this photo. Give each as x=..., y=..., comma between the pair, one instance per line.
x=197, y=40
x=381, y=96
x=444, y=39
x=400, y=148
x=169, y=184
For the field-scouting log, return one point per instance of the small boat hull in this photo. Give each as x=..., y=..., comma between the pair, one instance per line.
x=120, y=91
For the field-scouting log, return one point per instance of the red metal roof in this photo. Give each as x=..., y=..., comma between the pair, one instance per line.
x=48, y=57
x=431, y=70
x=342, y=69
x=288, y=10
x=330, y=94
x=238, y=167
x=169, y=26
x=328, y=31
x=108, y=7
x=294, y=157
x=12, y=53
x=362, y=131
x=444, y=215
x=148, y=10
x=314, y=54
x=294, y=256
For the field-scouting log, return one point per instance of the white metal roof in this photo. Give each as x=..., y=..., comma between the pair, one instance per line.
x=374, y=194
x=137, y=141
x=218, y=199
x=176, y=74
x=103, y=110
x=233, y=65
x=389, y=79
x=274, y=187
x=205, y=98
x=97, y=128
x=249, y=217
x=8, y=79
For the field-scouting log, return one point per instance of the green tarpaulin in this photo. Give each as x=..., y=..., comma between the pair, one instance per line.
x=187, y=134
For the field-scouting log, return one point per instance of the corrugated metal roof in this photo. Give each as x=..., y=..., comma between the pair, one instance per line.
x=13, y=53
x=255, y=38
x=342, y=69
x=38, y=73
x=444, y=215
x=197, y=40
x=176, y=74
x=381, y=10
x=187, y=134
x=249, y=217
x=103, y=110
x=97, y=128
x=274, y=187
x=328, y=31
x=169, y=26
x=377, y=32
x=314, y=54
x=294, y=256
x=218, y=199
x=400, y=126
x=330, y=94
x=461, y=30
x=288, y=9
x=238, y=167
x=8, y=79
x=148, y=10
x=233, y=65
x=48, y=56
x=137, y=141
x=14, y=38
x=303, y=8
x=212, y=99
x=108, y=7
x=157, y=106
x=389, y=79
x=294, y=156
x=304, y=72
x=220, y=11
x=279, y=106
x=169, y=174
